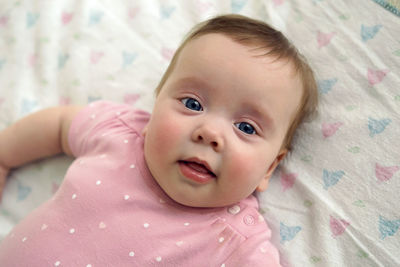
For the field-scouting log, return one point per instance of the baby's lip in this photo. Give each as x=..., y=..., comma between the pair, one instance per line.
x=200, y=162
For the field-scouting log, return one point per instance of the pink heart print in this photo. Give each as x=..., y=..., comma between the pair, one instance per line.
x=66, y=17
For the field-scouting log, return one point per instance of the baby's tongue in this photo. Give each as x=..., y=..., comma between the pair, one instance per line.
x=197, y=167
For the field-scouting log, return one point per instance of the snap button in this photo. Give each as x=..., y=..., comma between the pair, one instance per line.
x=249, y=220
x=234, y=210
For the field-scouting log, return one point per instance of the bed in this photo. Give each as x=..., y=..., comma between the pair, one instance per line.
x=333, y=202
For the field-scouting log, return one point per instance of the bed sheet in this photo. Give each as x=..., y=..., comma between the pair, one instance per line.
x=333, y=201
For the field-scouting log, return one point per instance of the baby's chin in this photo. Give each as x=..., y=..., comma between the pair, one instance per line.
x=197, y=203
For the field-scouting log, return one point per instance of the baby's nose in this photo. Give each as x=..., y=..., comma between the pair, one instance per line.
x=209, y=135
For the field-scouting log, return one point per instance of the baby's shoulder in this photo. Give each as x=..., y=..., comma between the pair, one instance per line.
x=246, y=220
x=102, y=111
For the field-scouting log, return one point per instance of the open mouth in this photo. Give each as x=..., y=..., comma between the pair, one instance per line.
x=198, y=167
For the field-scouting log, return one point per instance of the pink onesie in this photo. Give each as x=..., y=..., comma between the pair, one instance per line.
x=109, y=211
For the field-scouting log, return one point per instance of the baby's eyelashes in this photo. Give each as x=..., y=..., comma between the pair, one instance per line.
x=246, y=127
x=192, y=104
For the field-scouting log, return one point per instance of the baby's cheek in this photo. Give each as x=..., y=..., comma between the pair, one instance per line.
x=167, y=133
x=240, y=167
x=247, y=169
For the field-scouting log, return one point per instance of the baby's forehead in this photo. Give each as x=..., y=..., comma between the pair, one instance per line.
x=267, y=52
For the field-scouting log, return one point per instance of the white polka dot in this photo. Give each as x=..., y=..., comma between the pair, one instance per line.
x=103, y=156
x=179, y=243
x=146, y=225
x=126, y=197
x=57, y=263
x=93, y=116
x=98, y=182
x=104, y=134
x=24, y=239
x=234, y=210
x=186, y=224
x=162, y=201
x=44, y=227
x=158, y=259
x=131, y=254
x=132, y=166
x=72, y=230
x=263, y=250
x=126, y=141
x=221, y=239
x=118, y=113
x=89, y=265
x=102, y=225
x=223, y=265
x=73, y=196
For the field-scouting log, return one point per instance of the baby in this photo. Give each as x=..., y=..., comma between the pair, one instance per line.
x=174, y=188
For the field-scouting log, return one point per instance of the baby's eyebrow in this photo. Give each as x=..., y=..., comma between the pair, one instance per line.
x=192, y=81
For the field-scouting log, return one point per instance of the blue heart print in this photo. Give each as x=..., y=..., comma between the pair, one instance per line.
x=62, y=59
x=23, y=192
x=377, y=126
x=287, y=233
x=95, y=17
x=331, y=178
x=237, y=5
x=368, y=33
x=128, y=58
x=324, y=86
x=388, y=228
x=2, y=62
x=31, y=19
x=166, y=11
x=93, y=98
x=28, y=105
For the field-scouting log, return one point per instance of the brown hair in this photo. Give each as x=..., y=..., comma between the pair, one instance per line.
x=251, y=32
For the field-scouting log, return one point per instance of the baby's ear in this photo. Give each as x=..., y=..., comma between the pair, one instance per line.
x=265, y=181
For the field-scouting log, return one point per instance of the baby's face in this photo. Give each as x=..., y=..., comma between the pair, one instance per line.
x=218, y=124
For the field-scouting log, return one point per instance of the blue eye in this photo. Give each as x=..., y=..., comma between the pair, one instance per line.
x=192, y=104
x=245, y=127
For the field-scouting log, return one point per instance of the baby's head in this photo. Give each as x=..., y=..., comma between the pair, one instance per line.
x=226, y=111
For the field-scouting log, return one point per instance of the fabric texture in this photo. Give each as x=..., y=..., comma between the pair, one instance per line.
x=109, y=211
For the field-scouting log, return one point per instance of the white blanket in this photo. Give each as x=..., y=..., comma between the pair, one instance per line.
x=335, y=199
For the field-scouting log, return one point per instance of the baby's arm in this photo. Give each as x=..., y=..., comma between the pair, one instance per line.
x=39, y=135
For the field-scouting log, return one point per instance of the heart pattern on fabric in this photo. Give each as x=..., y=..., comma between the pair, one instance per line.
x=369, y=32
x=385, y=173
x=331, y=178
x=377, y=126
x=329, y=129
x=338, y=226
x=324, y=38
x=376, y=76
x=388, y=227
x=324, y=86
x=237, y=5
x=31, y=19
x=288, y=180
x=23, y=191
x=287, y=233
